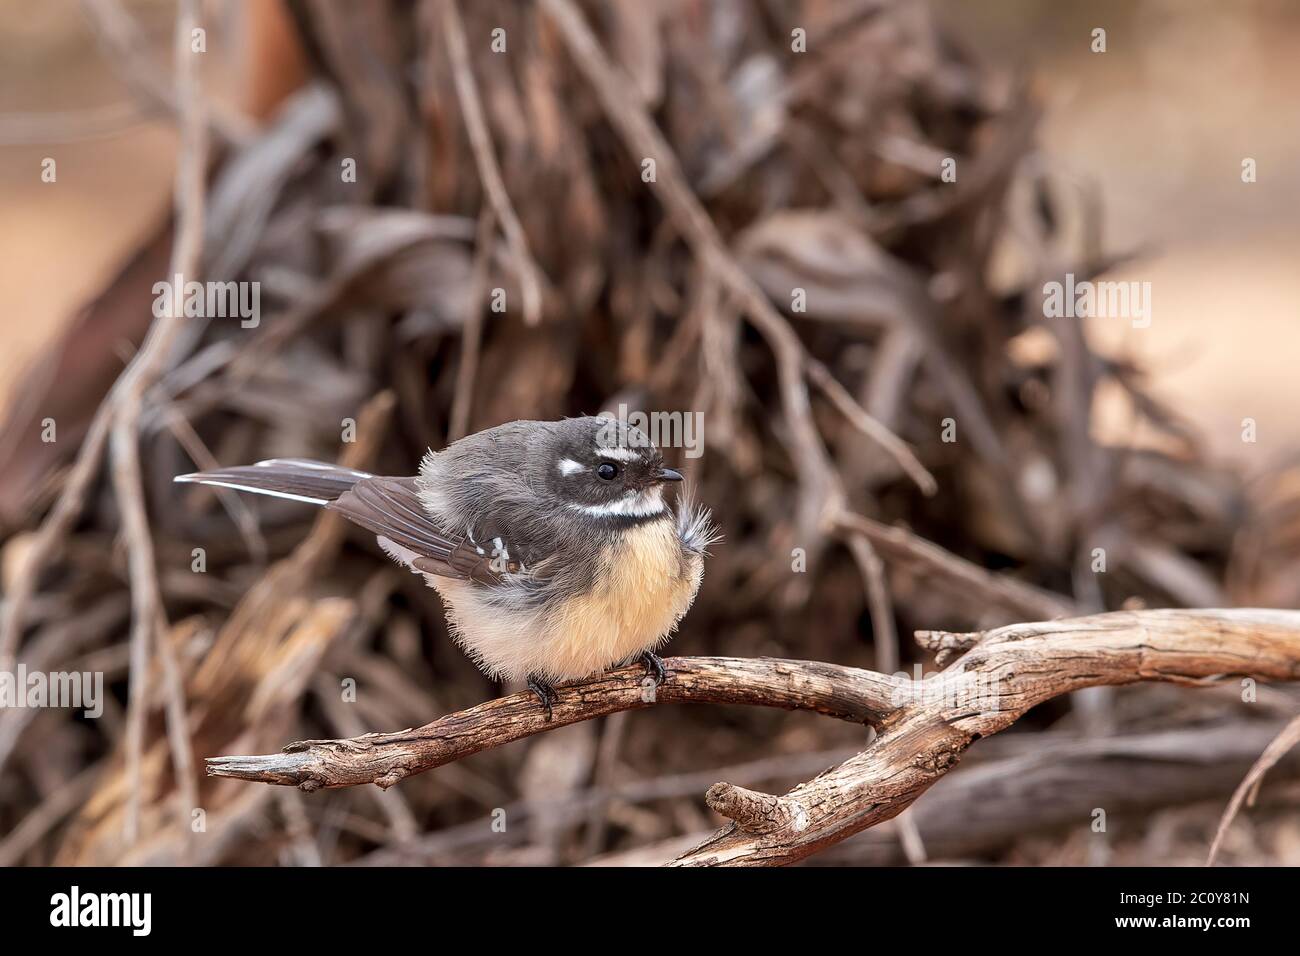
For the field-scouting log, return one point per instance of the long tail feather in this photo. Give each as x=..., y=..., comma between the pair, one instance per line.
x=296, y=479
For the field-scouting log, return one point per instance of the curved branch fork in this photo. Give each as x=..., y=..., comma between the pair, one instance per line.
x=924, y=725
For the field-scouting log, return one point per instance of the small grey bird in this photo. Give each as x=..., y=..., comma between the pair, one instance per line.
x=551, y=543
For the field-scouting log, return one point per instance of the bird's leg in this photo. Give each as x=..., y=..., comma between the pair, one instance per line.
x=654, y=666
x=545, y=693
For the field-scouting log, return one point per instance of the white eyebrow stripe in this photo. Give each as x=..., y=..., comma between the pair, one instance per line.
x=257, y=491
x=618, y=454
x=568, y=466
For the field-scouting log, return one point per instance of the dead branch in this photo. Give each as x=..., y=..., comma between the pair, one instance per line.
x=384, y=759
x=924, y=727
x=1009, y=671
x=994, y=799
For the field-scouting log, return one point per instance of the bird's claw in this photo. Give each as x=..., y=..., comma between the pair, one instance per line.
x=545, y=693
x=654, y=667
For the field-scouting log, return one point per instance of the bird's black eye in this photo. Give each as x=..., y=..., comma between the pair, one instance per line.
x=607, y=471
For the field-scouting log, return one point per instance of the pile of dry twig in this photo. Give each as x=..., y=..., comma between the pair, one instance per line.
x=737, y=209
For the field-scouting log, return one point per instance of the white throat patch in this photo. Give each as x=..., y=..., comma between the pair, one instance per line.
x=644, y=504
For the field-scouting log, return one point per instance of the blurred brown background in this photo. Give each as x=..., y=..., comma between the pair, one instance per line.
x=1159, y=124
x=1153, y=130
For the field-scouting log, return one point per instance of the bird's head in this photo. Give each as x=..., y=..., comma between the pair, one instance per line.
x=605, y=468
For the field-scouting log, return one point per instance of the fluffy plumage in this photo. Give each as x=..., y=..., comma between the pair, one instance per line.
x=552, y=544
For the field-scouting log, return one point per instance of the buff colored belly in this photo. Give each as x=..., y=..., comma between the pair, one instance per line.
x=638, y=600
x=643, y=594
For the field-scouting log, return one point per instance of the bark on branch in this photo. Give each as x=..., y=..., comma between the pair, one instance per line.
x=384, y=759
x=924, y=726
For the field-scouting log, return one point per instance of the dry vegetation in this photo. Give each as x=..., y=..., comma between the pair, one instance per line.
x=774, y=171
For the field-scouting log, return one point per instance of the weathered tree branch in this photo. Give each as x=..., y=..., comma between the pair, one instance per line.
x=924, y=726
x=1009, y=670
x=384, y=759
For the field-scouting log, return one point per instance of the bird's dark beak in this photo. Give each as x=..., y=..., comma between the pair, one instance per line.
x=668, y=474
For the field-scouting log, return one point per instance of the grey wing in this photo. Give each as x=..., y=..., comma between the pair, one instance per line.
x=391, y=508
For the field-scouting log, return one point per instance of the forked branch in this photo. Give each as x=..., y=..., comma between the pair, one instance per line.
x=924, y=726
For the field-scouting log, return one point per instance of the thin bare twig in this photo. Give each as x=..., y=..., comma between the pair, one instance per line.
x=1275, y=751
x=124, y=44
x=884, y=633
x=471, y=336
x=240, y=513
x=480, y=139
x=53, y=530
x=72, y=126
x=899, y=544
x=178, y=739
x=871, y=426
x=47, y=815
